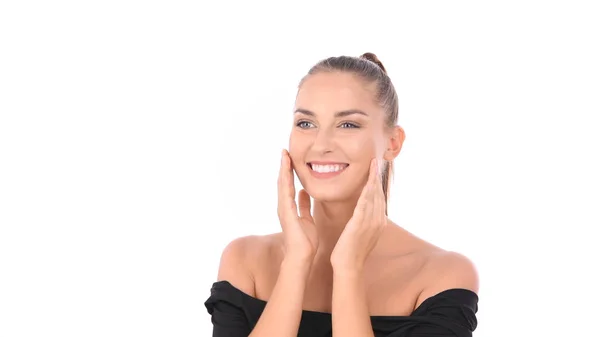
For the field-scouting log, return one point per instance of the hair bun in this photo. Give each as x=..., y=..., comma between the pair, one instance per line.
x=373, y=58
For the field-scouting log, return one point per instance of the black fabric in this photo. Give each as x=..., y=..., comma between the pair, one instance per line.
x=450, y=313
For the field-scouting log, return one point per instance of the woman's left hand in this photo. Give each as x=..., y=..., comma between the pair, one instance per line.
x=364, y=228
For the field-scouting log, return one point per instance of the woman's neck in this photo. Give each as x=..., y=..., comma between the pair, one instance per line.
x=331, y=219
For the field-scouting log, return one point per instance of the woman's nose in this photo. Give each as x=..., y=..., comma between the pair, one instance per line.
x=324, y=141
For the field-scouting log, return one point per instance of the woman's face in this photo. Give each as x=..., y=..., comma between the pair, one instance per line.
x=338, y=128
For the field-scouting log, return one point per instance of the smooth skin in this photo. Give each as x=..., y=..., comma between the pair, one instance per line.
x=340, y=254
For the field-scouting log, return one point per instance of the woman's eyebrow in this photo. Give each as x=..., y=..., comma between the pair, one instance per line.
x=343, y=113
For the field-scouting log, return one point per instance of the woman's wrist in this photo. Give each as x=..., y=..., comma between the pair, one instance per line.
x=345, y=268
x=297, y=263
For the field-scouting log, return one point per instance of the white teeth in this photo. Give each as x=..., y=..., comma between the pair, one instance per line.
x=327, y=168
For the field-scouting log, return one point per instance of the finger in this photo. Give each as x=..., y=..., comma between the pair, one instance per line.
x=304, y=205
x=378, y=188
x=281, y=204
x=369, y=208
x=378, y=179
x=371, y=183
x=365, y=195
x=378, y=171
x=378, y=200
x=373, y=170
x=286, y=196
x=383, y=201
x=279, y=181
x=290, y=188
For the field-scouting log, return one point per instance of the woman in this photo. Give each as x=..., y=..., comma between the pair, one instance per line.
x=343, y=269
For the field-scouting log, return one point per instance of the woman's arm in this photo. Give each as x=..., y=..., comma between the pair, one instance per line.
x=281, y=316
x=283, y=311
x=350, y=313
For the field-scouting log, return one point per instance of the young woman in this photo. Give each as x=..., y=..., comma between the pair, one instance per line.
x=340, y=267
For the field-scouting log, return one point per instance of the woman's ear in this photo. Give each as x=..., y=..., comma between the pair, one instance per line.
x=395, y=141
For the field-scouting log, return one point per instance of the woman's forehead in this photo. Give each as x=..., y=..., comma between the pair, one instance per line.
x=335, y=91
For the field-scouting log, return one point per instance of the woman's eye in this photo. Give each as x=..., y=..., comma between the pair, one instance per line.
x=347, y=125
x=304, y=124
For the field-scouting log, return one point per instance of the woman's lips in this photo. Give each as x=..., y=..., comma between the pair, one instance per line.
x=324, y=170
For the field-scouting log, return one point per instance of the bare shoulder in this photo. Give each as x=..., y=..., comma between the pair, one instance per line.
x=241, y=258
x=449, y=270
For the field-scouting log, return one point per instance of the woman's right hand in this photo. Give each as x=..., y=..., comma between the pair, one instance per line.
x=300, y=234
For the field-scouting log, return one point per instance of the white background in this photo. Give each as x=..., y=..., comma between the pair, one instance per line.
x=137, y=138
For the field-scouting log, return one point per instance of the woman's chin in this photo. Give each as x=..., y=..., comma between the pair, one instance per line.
x=329, y=194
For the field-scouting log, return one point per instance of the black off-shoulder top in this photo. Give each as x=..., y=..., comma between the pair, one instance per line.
x=448, y=313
